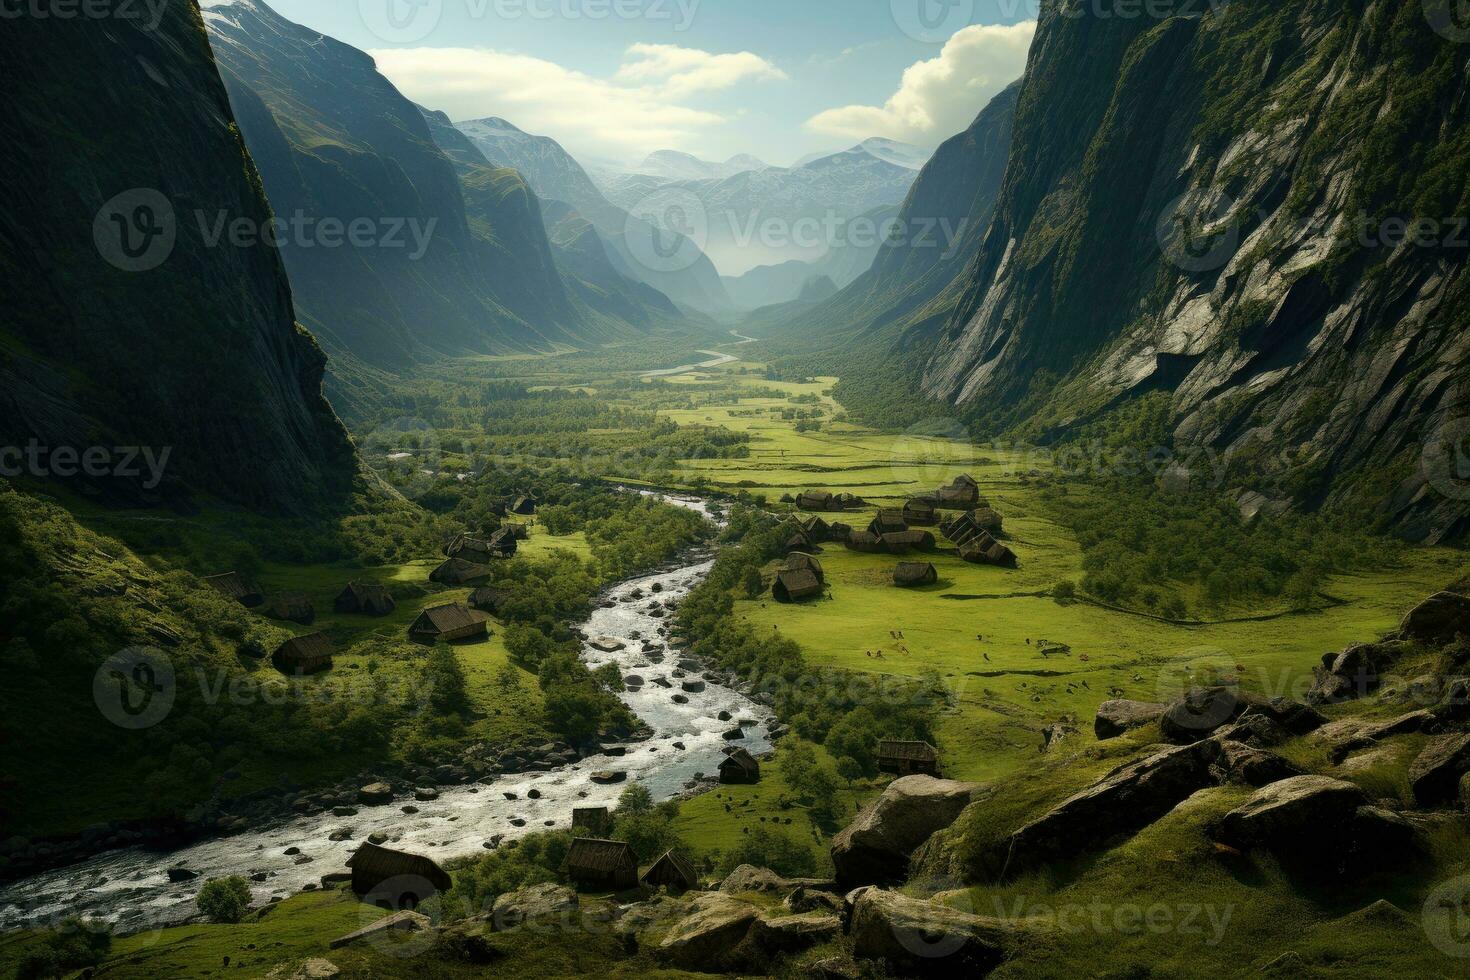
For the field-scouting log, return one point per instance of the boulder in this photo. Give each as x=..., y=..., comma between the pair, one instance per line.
x=784, y=934
x=706, y=938
x=925, y=939
x=397, y=922
x=876, y=846
x=534, y=903
x=426, y=794
x=375, y=794
x=1435, y=774
x=749, y=878
x=1119, y=716
x=607, y=776
x=1353, y=673
x=805, y=899
x=1240, y=763
x=1348, y=735
x=1122, y=802
x=1199, y=713
x=1438, y=619
x=177, y=875
x=1292, y=813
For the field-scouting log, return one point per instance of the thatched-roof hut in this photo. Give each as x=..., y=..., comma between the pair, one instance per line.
x=457, y=571
x=797, y=560
x=907, y=758
x=524, y=505
x=292, y=607
x=794, y=585
x=671, y=871
x=962, y=492
x=740, y=768
x=602, y=864
x=365, y=598
x=911, y=574
x=491, y=599
x=814, y=500
x=593, y=819
x=786, y=498
x=839, y=532
x=865, y=541
x=985, y=550
x=816, y=528
x=889, y=520
x=969, y=525
x=476, y=551
x=919, y=512
x=847, y=501
x=397, y=879
x=801, y=541
x=454, y=621
x=304, y=655
x=902, y=542
x=232, y=586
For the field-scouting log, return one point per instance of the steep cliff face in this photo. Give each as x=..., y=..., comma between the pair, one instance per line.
x=338, y=145
x=128, y=324
x=1204, y=204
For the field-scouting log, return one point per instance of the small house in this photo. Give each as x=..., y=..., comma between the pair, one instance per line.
x=232, y=586
x=907, y=758
x=503, y=542
x=816, y=528
x=740, y=768
x=593, y=819
x=524, y=505
x=395, y=879
x=814, y=500
x=902, y=542
x=672, y=871
x=919, y=512
x=473, y=550
x=987, y=519
x=364, y=598
x=292, y=607
x=865, y=541
x=302, y=655
x=839, y=532
x=962, y=492
x=490, y=599
x=801, y=541
x=912, y=574
x=985, y=550
x=794, y=585
x=847, y=501
x=446, y=624
x=457, y=571
x=786, y=498
x=605, y=865
x=889, y=521
x=799, y=560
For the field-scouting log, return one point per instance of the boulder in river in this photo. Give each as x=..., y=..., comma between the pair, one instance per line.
x=375, y=794
x=607, y=776
x=182, y=874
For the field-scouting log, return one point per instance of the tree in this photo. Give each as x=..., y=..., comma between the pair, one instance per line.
x=448, y=691
x=849, y=769
x=755, y=583
x=224, y=899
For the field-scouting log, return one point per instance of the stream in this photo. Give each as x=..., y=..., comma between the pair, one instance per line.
x=131, y=887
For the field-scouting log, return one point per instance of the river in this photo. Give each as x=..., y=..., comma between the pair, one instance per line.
x=131, y=887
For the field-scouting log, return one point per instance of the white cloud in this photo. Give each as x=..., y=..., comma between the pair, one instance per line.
x=939, y=97
x=624, y=116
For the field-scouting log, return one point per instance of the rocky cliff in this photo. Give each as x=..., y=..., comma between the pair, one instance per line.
x=129, y=323
x=1212, y=205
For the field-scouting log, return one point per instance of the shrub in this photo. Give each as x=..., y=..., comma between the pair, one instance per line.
x=224, y=899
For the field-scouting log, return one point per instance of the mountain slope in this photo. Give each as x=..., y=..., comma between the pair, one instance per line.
x=336, y=142
x=556, y=176
x=1195, y=206
x=112, y=338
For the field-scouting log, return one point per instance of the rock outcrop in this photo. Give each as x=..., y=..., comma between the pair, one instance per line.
x=1435, y=774
x=875, y=847
x=1119, y=716
x=925, y=939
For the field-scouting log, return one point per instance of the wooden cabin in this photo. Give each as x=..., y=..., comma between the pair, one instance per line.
x=503, y=542
x=491, y=599
x=364, y=598
x=815, y=528
x=473, y=550
x=839, y=532
x=969, y=525
x=593, y=819
x=865, y=541
x=801, y=541
x=912, y=574
x=919, y=512
x=799, y=560
x=302, y=655
x=395, y=879
x=671, y=871
x=907, y=758
x=902, y=542
x=847, y=501
x=292, y=607
x=446, y=624
x=232, y=586
x=814, y=500
x=796, y=584
x=524, y=505
x=985, y=550
x=889, y=520
x=457, y=571
x=962, y=492
x=604, y=865
x=740, y=768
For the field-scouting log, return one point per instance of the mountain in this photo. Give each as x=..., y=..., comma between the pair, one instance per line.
x=688, y=278
x=892, y=151
x=853, y=250
x=916, y=280
x=129, y=323
x=774, y=215
x=673, y=165
x=336, y=142
x=1198, y=207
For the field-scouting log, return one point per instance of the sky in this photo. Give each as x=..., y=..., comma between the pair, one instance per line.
x=613, y=80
